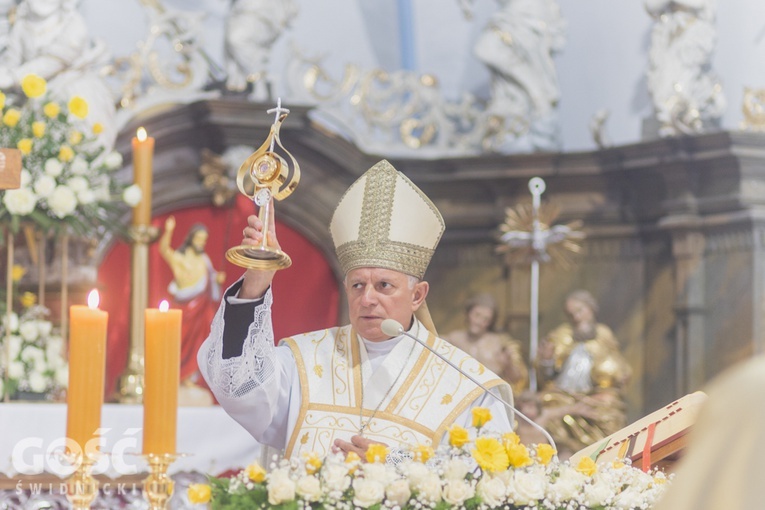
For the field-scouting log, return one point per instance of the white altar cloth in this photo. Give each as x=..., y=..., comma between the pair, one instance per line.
x=31, y=432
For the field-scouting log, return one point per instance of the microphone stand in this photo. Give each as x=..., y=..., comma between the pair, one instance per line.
x=393, y=325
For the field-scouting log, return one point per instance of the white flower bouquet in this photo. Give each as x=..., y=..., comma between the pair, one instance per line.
x=33, y=354
x=485, y=472
x=66, y=175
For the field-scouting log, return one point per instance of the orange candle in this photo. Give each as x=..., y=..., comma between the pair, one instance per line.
x=143, y=153
x=87, y=362
x=163, y=376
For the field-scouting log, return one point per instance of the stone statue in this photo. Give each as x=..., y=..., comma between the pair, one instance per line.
x=252, y=28
x=50, y=38
x=517, y=47
x=579, y=363
x=687, y=95
x=196, y=290
x=497, y=351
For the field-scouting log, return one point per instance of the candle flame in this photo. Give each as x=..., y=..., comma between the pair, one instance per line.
x=164, y=306
x=141, y=134
x=93, y=299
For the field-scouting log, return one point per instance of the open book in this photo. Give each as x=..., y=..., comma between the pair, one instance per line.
x=655, y=438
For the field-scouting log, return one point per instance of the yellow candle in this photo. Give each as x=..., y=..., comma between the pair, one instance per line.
x=87, y=362
x=143, y=153
x=163, y=374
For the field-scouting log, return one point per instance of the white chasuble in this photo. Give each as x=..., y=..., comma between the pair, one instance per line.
x=412, y=398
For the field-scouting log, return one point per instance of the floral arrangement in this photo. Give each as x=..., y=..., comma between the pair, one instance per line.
x=33, y=354
x=488, y=471
x=66, y=176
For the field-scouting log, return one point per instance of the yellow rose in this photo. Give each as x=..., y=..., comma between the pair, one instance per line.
x=312, y=463
x=458, y=436
x=78, y=107
x=377, y=453
x=11, y=117
x=17, y=272
x=38, y=129
x=255, y=472
x=51, y=110
x=65, y=153
x=24, y=145
x=423, y=452
x=199, y=493
x=75, y=137
x=28, y=299
x=518, y=455
x=545, y=453
x=2, y=100
x=33, y=85
x=587, y=466
x=481, y=415
x=490, y=455
x=98, y=128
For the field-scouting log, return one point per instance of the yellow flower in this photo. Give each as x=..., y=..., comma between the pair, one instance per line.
x=423, y=452
x=255, y=472
x=28, y=299
x=11, y=117
x=545, y=453
x=312, y=463
x=24, y=145
x=65, y=154
x=377, y=453
x=98, y=128
x=354, y=460
x=490, y=455
x=33, y=85
x=78, y=107
x=51, y=110
x=38, y=129
x=17, y=273
x=587, y=466
x=458, y=436
x=2, y=100
x=199, y=493
x=510, y=439
x=75, y=137
x=518, y=455
x=481, y=415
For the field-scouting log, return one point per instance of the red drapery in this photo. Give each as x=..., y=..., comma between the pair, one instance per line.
x=306, y=295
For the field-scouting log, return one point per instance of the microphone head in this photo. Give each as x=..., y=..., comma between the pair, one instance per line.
x=391, y=327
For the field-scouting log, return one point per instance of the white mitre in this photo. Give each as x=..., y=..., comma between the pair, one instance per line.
x=384, y=220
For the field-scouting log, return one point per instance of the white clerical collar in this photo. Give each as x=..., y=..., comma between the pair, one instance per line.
x=383, y=347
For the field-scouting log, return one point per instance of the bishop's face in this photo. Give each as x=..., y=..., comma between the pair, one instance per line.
x=376, y=294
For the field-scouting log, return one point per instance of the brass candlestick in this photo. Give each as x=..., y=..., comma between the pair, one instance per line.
x=158, y=487
x=81, y=487
x=263, y=176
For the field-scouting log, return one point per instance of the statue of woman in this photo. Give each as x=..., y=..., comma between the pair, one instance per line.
x=579, y=362
x=496, y=351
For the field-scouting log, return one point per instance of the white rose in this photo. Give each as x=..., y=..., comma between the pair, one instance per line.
x=367, y=492
x=62, y=202
x=53, y=167
x=378, y=472
x=492, y=491
x=457, y=492
x=113, y=160
x=429, y=488
x=20, y=201
x=38, y=382
x=309, y=488
x=629, y=499
x=14, y=346
x=77, y=184
x=44, y=186
x=32, y=354
x=529, y=487
x=336, y=477
x=79, y=166
x=280, y=487
x=86, y=197
x=598, y=493
x=398, y=492
x=416, y=472
x=61, y=376
x=26, y=178
x=455, y=469
x=16, y=369
x=55, y=360
x=45, y=327
x=29, y=331
x=564, y=489
x=14, y=321
x=132, y=195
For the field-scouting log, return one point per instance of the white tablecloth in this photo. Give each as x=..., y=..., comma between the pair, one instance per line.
x=30, y=434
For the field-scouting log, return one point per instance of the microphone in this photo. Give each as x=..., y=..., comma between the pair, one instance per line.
x=393, y=328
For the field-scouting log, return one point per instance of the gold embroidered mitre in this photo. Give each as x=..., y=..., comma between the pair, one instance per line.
x=384, y=220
